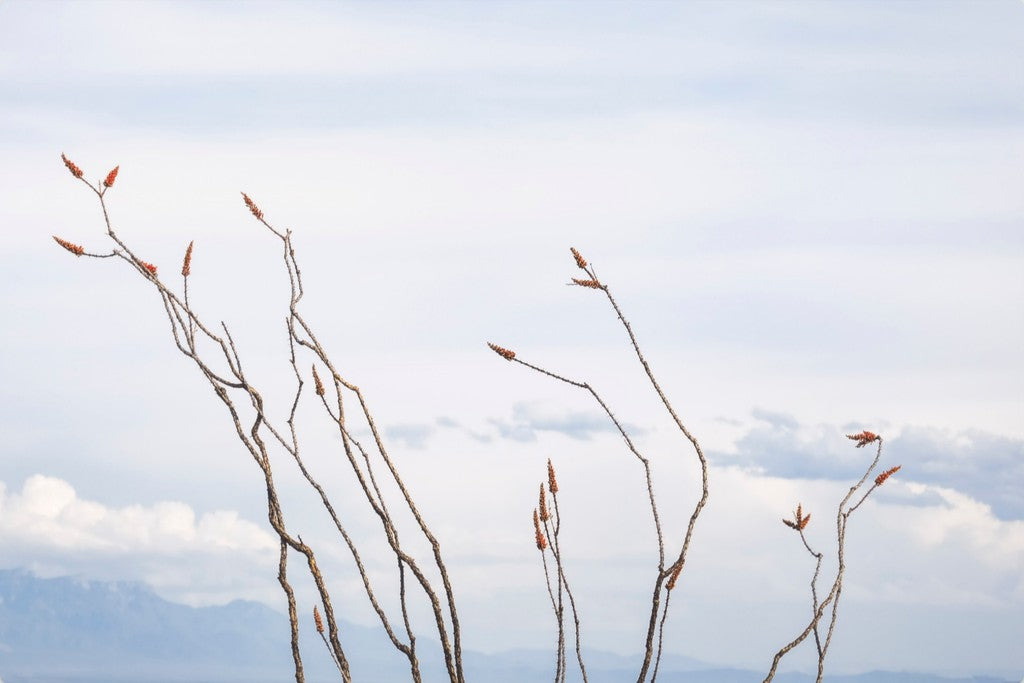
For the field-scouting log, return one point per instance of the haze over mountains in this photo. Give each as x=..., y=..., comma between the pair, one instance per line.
x=66, y=630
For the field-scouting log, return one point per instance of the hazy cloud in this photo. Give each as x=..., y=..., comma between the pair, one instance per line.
x=411, y=435
x=46, y=526
x=528, y=419
x=988, y=467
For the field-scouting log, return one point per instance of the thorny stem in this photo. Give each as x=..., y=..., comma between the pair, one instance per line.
x=555, y=609
x=661, y=636
x=293, y=618
x=184, y=326
x=681, y=559
x=842, y=517
x=556, y=549
x=663, y=572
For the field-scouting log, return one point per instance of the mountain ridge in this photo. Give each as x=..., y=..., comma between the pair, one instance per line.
x=70, y=630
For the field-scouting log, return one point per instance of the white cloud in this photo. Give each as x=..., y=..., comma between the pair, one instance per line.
x=48, y=527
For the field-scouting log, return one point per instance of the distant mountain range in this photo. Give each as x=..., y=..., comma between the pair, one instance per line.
x=66, y=630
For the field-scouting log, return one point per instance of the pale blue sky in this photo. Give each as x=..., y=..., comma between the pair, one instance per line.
x=810, y=211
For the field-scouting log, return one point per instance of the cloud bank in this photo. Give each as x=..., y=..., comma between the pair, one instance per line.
x=988, y=467
x=48, y=528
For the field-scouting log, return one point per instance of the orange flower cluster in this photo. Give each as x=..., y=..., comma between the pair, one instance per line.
x=801, y=522
x=316, y=381
x=552, y=482
x=70, y=246
x=317, y=620
x=252, y=207
x=507, y=354
x=148, y=266
x=675, y=577
x=75, y=171
x=880, y=479
x=544, y=514
x=864, y=438
x=593, y=284
x=111, y=177
x=186, y=265
x=541, y=541
x=580, y=261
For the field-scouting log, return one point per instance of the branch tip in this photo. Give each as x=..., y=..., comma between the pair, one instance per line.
x=75, y=249
x=318, y=620
x=542, y=542
x=255, y=210
x=317, y=383
x=75, y=171
x=880, y=479
x=552, y=482
x=507, y=354
x=864, y=438
x=111, y=177
x=186, y=265
x=580, y=261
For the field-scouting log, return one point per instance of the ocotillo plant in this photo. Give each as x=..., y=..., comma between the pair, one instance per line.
x=799, y=523
x=664, y=572
x=215, y=356
x=666, y=577
x=268, y=439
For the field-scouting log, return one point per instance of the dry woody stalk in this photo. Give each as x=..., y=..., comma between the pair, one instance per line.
x=267, y=436
x=270, y=438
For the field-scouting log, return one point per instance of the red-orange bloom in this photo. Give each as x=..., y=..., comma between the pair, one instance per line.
x=317, y=620
x=592, y=284
x=111, y=177
x=800, y=522
x=864, y=438
x=148, y=266
x=675, y=577
x=539, y=535
x=70, y=246
x=186, y=265
x=75, y=171
x=319, y=386
x=880, y=479
x=552, y=482
x=507, y=354
x=580, y=261
x=252, y=207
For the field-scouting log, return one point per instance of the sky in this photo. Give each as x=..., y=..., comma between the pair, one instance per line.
x=809, y=212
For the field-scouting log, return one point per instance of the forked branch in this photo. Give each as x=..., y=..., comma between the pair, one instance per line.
x=217, y=358
x=664, y=572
